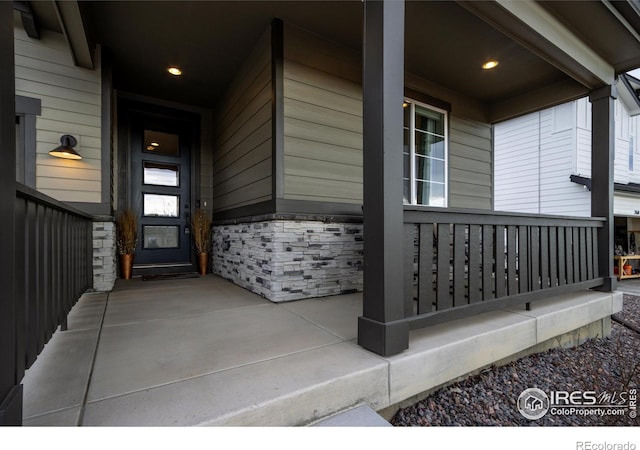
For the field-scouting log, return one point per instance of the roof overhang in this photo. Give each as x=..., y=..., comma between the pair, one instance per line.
x=628, y=90
x=61, y=17
x=551, y=51
x=538, y=30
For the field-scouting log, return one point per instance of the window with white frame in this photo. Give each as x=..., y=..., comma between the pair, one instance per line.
x=424, y=154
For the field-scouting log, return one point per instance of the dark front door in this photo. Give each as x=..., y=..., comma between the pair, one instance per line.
x=160, y=174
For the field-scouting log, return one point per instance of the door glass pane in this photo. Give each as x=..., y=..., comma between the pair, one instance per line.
x=160, y=236
x=161, y=174
x=161, y=143
x=161, y=205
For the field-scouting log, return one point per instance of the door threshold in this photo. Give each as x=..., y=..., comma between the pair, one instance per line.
x=162, y=265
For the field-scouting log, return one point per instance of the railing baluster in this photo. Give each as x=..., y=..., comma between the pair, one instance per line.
x=20, y=259
x=31, y=294
x=576, y=254
x=553, y=256
x=589, y=257
x=523, y=258
x=544, y=257
x=409, y=252
x=487, y=263
x=569, y=258
x=562, y=257
x=594, y=246
x=512, y=274
x=459, y=265
x=443, y=299
x=534, y=258
x=425, y=268
x=474, y=263
x=42, y=268
x=583, y=254
x=500, y=262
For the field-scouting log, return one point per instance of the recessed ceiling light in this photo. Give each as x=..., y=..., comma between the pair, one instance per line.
x=150, y=147
x=490, y=64
x=155, y=144
x=173, y=70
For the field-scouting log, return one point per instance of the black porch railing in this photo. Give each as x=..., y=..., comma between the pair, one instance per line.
x=53, y=267
x=462, y=262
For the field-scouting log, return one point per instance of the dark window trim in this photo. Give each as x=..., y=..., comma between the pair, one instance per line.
x=427, y=99
x=27, y=108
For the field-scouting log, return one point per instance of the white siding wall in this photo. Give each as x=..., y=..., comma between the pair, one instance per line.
x=626, y=128
x=71, y=104
x=625, y=205
x=558, y=161
x=534, y=157
x=634, y=136
x=583, y=138
x=621, y=167
x=517, y=165
x=558, y=137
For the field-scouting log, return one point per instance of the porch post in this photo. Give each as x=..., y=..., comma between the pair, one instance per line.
x=602, y=155
x=10, y=387
x=381, y=329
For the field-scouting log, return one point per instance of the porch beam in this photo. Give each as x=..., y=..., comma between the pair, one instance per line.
x=383, y=89
x=602, y=176
x=538, y=30
x=73, y=28
x=10, y=388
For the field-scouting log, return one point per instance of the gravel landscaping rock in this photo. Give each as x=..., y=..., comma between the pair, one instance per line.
x=609, y=365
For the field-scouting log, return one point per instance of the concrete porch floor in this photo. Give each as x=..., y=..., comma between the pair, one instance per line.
x=203, y=351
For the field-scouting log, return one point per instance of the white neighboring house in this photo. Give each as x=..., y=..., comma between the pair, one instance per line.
x=543, y=161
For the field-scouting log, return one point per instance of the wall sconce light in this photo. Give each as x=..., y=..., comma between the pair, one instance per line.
x=65, y=149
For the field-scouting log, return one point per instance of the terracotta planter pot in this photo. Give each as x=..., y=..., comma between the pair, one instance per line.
x=126, y=265
x=203, y=262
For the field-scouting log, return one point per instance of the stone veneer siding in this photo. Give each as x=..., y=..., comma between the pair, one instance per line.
x=104, y=256
x=284, y=260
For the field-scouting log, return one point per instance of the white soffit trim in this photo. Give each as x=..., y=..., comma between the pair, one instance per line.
x=626, y=205
x=553, y=31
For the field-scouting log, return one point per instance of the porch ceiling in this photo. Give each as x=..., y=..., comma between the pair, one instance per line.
x=446, y=43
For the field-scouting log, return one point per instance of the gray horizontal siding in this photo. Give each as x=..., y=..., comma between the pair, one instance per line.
x=243, y=135
x=71, y=104
x=470, y=164
x=322, y=131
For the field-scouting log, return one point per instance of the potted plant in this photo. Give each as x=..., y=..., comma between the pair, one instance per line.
x=126, y=240
x=201, y=230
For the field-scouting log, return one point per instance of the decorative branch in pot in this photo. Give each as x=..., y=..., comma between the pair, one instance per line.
x=201, y=230
x=126, y=240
